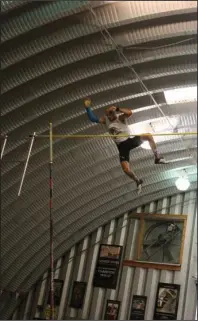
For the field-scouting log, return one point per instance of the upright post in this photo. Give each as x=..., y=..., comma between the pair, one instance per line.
x=51, y=227
x=4, y=145
x=26, y=163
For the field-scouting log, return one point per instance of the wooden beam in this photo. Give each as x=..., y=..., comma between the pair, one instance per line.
x=158, y=217
x=147, y=265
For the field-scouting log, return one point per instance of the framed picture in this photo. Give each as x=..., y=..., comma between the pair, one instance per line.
x=138, y=307
x=167, y=300
x=78, y=293
x=112, y=310
x=107, y=266
x=160, y=241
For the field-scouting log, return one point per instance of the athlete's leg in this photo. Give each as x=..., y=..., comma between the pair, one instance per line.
x=128, y=171
x=131, y=174
x=149, y=138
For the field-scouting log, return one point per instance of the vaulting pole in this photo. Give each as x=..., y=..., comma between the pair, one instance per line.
x=51, y=226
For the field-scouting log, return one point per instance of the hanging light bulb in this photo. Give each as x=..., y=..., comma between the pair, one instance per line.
x=182, y=183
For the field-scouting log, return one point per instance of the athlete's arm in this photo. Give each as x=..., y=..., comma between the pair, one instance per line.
x=102, y=120
x=92, y=117
x=125, y=113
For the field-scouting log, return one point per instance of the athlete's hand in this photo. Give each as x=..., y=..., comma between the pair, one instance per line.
x=87, y=102
x=112, y=108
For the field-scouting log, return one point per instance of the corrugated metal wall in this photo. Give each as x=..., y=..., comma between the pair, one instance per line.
x=79, y=265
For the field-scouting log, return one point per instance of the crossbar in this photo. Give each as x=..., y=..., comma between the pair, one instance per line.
x=108, y=135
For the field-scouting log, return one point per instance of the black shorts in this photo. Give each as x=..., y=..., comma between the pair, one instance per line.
x=126, y=146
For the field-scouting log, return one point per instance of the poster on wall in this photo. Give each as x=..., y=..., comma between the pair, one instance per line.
x=138, y=307
x=107, y=266
x=167, y=300
x=78, y=293
x=112, y=310
x=58, y=287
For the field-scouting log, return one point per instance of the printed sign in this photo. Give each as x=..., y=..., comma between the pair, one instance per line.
x=138, y=307
x=78, y=293
x=107, y=267
x=167, y=300
x=112, y=310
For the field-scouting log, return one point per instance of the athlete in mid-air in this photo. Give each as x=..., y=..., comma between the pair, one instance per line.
x=117, y=126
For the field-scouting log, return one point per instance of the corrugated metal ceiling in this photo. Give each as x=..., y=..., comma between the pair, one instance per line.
x=53, y=56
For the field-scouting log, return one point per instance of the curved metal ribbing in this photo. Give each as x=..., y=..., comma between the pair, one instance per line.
x=59, y=58
x=64, y=77
x=53, y=11
x=43, y=106
x=77, y=110
x=9, y=5
x=38, y=17
x=24, y=95
x=69, y=55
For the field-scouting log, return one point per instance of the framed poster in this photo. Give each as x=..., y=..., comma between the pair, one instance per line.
x=107, y=266
x=138, y=307
x=167, y=300
x=58, y=287
x=78, y=293
x=160, y=241
x=112, y=310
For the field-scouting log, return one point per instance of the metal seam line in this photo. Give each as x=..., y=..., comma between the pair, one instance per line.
x=128, y=64
x=161, y=47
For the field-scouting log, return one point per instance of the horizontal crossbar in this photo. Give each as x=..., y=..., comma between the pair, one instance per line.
x=107, y=135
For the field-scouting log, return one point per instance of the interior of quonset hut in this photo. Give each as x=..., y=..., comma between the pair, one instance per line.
x=98, y=160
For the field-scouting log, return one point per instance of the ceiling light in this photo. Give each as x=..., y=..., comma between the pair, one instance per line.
x=146, y=108
x=177, y=95
x=182, y=183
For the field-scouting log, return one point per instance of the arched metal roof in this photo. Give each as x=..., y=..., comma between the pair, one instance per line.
x=53, y=56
